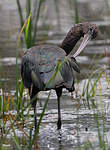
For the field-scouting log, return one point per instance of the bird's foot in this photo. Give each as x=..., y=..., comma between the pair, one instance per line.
x=73, y=95
x=59, y=136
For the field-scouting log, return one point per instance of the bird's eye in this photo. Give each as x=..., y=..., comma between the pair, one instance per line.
x=91, y=31
x=91, y=28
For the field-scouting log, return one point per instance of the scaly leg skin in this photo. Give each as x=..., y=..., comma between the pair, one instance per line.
x=59, y=115
x=33, y=92
x=59, y=93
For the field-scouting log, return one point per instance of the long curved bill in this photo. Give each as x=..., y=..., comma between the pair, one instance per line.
x=85, y=41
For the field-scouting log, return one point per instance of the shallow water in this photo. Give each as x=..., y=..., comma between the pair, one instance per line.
x=79, y=124
x=78, y=121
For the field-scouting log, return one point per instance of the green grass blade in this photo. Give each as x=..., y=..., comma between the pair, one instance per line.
x=20, y=13
x=34, y=9
x=16, y=142
x=96, y=81
x=29, y=24
x=102, y=107
x=28, y=7
x=28, y=32
x=21, y=89
x=15, y=138
x=76, y=11
x=17, y=100
x=36, y=21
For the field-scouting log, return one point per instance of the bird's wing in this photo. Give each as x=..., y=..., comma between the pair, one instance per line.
x=39, y=63
x=26, y=72
x=48, y=60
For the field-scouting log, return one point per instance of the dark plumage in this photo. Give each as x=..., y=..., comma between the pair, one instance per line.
x=39, y=63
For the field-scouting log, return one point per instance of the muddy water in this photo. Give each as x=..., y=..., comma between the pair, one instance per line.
x=78, y=123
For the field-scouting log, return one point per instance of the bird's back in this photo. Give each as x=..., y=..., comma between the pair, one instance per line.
x=39, y=63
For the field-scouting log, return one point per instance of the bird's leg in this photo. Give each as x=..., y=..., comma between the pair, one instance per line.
x=59, y=115
x=59, y=92
x=33, y=91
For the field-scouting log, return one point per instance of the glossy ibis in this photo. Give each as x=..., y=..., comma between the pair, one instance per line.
x=39, y=63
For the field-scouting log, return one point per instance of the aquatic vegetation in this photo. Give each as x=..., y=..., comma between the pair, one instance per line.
x=32, y=21
x=76, y=11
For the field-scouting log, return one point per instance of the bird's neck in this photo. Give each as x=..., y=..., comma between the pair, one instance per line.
x=73, y=36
